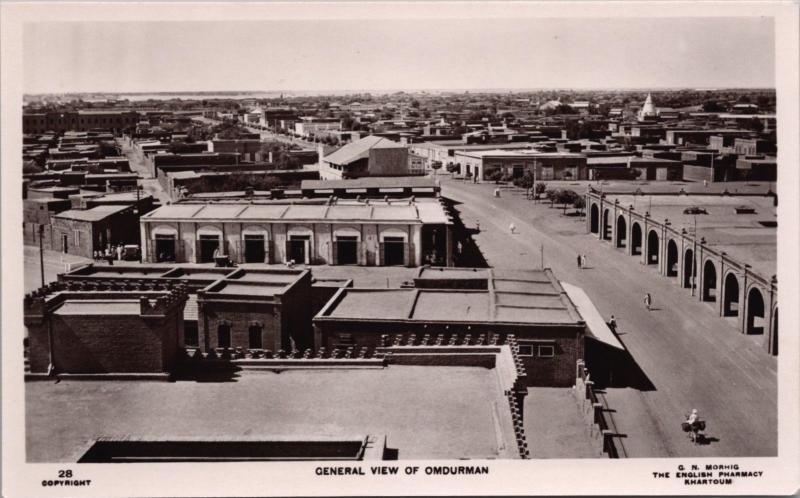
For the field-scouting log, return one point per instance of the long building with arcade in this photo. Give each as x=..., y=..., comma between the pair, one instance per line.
x=720, y=247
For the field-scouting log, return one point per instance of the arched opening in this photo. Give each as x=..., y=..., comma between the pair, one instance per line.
x=672, y=259
x=755, y=312
x=709, y=282
x=775, y=331
x=636, y=239
x=606, y=226
x=689, y=269
x=622, y=231
x=594, y=218
x=730, y=296
x=652, y=248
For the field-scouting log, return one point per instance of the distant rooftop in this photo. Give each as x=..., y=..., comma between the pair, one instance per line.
x=519, y=153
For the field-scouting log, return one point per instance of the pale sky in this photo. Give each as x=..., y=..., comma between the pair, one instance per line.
x=399, y=54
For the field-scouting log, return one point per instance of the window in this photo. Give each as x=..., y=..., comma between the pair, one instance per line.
x=525, y=350
x=546, y=351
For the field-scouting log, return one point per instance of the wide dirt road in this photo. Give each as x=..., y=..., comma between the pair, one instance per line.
x=694, y=358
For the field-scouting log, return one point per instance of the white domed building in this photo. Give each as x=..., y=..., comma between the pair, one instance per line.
x=648, y=110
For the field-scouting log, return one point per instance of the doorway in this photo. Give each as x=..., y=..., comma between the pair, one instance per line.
x=165, y=248
x=255, y=340
x=254, y=249
x=394, y=251
x=298, y=248
x=208, y=245
x=346, y=250
x=224, y=335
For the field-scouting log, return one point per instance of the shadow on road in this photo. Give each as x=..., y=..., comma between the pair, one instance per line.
x=611, y=367
x=468, y=254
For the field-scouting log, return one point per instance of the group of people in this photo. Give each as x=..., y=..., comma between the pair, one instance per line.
x=582, y=261
x=112, y=252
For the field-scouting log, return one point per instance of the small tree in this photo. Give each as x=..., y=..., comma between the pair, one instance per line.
x=539, y=189
x=436, y=166
x=579, y=204
x=552, y=195
x=566, y=197
x=525, y=181
x=495, y=175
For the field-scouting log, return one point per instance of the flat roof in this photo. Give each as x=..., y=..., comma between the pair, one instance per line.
x=451, y=305
x=747, y=238
x=370, y=182
x=422, y=419
x=231, y=287
x=99, y=307
x=427, y=211
x=533, y=154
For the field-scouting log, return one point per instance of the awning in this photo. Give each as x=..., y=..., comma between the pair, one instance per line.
x=595, y=323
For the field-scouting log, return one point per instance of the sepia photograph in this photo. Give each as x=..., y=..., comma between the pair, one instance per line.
x=384, y=240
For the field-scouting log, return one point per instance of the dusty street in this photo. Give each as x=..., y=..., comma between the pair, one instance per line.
x=694, y=358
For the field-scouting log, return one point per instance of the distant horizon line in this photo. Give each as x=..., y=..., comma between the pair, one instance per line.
x=398, y=90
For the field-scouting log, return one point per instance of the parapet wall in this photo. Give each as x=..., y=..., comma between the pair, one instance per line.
x=597, y=415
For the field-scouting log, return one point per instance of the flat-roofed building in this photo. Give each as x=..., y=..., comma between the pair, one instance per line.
x=374, y=187
x=532, y=305
x=244, y=308
x=481, y=165
x=310, y=125
x=88, y=329
x=721, y=248
x=257, y=309
x=342, y=232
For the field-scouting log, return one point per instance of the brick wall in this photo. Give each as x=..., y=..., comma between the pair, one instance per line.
x=240, y=316
x=556, y=371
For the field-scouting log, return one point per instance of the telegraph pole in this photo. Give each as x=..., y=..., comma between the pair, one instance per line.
x=41, y=251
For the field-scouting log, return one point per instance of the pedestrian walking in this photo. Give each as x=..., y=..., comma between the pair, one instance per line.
x=612, y=323
x=512, y=227
x=583, y=261
x=648, y=301
x=119, y=252
x=580, y=260
x=478, y=225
